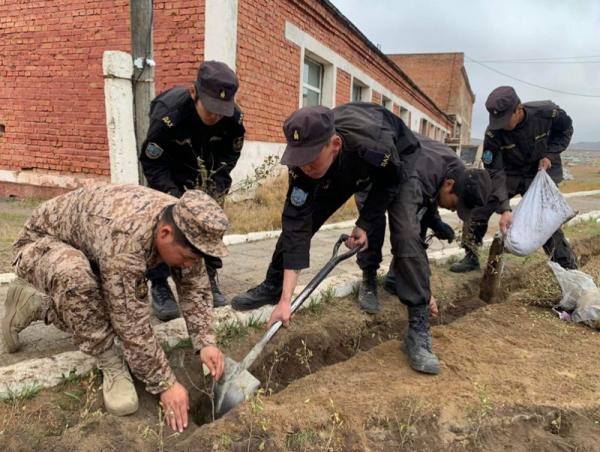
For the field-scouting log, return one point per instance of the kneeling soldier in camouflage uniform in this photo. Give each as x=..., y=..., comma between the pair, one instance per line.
x=88, y=251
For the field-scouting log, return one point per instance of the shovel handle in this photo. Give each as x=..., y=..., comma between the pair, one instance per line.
x=301, y=298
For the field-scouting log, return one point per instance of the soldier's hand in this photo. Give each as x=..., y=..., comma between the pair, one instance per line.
x=443, y=231
x=433, y=307
x=545, y=164
x=358, y=238
x=505, y=221
x=175, y=404
x=213, y=358
x=283, y=312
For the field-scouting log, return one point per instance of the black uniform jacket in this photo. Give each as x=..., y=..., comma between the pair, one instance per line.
x=181, y=152
x=510, y=156
x=375, y=145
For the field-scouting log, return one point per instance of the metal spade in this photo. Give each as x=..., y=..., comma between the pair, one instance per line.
x=237, y=384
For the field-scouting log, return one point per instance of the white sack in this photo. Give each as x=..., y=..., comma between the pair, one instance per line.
x=540, y=213
x=580, y=295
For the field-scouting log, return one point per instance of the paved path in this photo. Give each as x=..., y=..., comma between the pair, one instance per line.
x=243, y=268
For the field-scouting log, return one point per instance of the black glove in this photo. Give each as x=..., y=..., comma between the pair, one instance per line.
x=443, y=231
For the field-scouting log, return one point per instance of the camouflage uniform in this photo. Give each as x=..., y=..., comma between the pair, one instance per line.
x=89, y=251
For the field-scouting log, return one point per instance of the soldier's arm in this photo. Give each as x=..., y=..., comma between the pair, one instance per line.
x=195, y=300
x=296, y=225
x=228, y=157
x=494, y=164
x=155, y=156
x=126, y=293
x=560, y=133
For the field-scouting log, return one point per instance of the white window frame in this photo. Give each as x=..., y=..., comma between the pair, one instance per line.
x=308, y=86
x=365, y=90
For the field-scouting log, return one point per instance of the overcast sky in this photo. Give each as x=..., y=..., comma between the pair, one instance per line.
x=500, y=30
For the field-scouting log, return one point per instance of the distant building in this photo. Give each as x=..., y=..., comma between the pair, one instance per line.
x=287, y=53
x=444, y=78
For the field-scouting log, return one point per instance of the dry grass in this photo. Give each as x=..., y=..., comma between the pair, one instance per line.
x=587, y=177
x=263, y=212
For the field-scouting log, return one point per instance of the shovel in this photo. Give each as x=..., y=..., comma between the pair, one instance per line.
x=237, y=383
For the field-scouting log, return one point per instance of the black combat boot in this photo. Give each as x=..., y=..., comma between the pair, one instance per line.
x=469, y=263
x=163, y=301
x=417, y=343
x=367, y=292
x=264, y=293
x=218, y=297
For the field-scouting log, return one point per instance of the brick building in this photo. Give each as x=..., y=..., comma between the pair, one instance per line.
x=287, y=53
x=444, y=78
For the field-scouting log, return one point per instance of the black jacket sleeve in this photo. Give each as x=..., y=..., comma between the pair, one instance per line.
x=227, y=157
x=494, y=164
x=297, y=223
x=155, y=155
x=560, y=132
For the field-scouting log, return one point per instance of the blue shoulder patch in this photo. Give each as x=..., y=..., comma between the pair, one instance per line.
x=487, y=157
x=298, y=197
x=153, y=151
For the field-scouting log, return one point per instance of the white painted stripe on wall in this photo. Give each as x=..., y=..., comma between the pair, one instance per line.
x=306, y=41
x=220, y=31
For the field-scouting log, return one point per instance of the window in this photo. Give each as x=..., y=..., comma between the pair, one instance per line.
x=386, y=102
x=405, y=116
x=423, y=127
x=312, y=83
x=356, y=93
x=360, y=91
x=457, y=129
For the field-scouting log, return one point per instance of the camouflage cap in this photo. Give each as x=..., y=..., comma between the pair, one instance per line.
x=202, y=221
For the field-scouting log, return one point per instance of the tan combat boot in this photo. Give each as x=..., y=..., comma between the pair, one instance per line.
x=120, y=397
x=23, y=305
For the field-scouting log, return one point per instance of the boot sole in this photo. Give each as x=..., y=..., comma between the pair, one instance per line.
x=242, y=307
x=460, y=270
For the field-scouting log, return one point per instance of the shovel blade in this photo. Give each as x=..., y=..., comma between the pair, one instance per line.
x=235, y=387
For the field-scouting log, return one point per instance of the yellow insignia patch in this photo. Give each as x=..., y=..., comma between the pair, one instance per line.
x=141, y=289
x=385, y=160
x=167, y=121
x=222, y=94
x=296, y=135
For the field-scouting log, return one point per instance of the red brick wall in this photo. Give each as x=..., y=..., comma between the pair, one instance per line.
x=376, y=97
x=342, y=93
x=269, y=65
x=441, y=76
x=51, y=85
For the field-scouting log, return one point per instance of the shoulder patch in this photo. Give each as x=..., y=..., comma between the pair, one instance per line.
x=153, y=151
x=487, y=157
x=489, y=133
x=238, y=143
x=298, y=197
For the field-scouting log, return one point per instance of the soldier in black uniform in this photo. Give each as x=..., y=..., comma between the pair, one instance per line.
x=333, y=154
x=369, y=260
x=195, y=138
x=521, y=138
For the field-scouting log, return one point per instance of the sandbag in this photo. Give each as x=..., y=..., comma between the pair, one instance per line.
x=540, y=213
x=581, y=297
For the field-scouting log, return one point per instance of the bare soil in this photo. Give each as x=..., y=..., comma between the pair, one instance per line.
x=514, y=377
